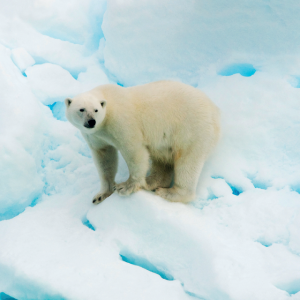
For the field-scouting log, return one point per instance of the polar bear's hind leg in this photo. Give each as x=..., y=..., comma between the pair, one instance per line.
x=187, y=169
x=161, y=175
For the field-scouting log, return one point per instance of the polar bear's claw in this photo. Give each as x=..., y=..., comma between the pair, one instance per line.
x=100, y=197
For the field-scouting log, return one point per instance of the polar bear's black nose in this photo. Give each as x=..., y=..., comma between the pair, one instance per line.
x=90, y=123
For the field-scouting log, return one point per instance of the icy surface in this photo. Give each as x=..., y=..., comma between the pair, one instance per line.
x=22, y=58
x=186, y=39
x=239, y=240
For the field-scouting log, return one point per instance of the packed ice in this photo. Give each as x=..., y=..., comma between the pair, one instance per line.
x=239, y=240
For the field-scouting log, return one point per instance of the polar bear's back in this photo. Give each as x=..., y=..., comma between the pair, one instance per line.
x=170, y=97
x=166, y=114
x=172, y=112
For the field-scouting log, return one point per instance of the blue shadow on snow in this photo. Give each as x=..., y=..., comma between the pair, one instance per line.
x=58, y=110
x=145, y=264
x=245, y=70
x=4, y=296
x=235, y=190
x=295, y=82
x=15, y=211
x=292, y=287
x=87, y=223
x=264, y=243
x=133, y=259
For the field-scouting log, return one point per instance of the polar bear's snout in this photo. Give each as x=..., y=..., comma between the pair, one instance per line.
x=90, y=123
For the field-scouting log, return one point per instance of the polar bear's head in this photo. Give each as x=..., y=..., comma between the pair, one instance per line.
x=86, y=112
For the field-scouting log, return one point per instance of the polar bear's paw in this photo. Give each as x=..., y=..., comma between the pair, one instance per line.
x=128, y=187
x=175, y=194
x=100, y=197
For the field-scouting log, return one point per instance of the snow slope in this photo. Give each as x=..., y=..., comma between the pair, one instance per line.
x=239, y=240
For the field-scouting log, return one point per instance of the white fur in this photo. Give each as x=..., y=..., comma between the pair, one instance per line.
x=173, y=124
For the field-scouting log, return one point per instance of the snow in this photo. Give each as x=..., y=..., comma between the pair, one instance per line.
x=184, y=39
x=239, y=240
x=22, y=59
x=51, y=82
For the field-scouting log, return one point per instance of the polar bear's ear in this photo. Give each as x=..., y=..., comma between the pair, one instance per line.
x=68, y=102
x=103, y=103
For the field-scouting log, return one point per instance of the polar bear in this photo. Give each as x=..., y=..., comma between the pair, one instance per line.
x=171, y=124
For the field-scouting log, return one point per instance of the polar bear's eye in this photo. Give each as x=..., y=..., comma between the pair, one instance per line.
x=96, y=110
x=81, y=109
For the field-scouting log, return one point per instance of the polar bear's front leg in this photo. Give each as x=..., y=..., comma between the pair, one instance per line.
x=137, y=160
x=106, y=161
